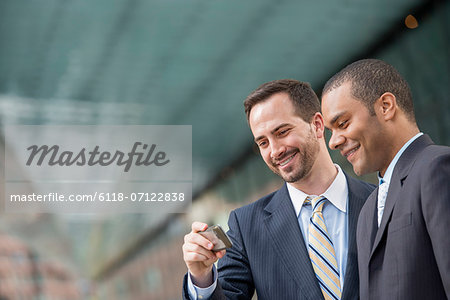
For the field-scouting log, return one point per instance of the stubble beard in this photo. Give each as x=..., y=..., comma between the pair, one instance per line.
x=307, y=158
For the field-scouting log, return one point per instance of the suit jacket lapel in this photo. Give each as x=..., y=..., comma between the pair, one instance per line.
x=372, y=221
x=355, y=203
x=400, y=173
x=284, y=230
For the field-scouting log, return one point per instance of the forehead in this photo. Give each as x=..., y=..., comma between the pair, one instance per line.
x=267, y=115
x=276, y=106
x=339, y=101
x=338, y=95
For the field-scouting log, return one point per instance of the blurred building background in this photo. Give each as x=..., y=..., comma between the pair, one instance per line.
x=178, y=62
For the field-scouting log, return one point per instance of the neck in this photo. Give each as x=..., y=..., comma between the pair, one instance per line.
x=398, y=140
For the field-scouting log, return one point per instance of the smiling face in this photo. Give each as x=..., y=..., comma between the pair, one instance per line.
x=358, y=135
x=286, y=142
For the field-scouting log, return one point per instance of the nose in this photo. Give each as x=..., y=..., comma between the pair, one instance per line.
x=277, y=150
x=336, y=141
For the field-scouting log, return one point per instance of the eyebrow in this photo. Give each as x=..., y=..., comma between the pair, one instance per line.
x=336, y=117
x=273, y=131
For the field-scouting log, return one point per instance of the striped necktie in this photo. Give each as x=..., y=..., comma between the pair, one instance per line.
x=321, y=252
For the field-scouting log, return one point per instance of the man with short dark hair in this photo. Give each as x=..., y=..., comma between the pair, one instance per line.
x=402, y=234
x=295, y=243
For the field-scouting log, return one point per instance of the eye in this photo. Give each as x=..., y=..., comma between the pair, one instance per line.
x=262, y=144
x=343, y=124
x=283, y=132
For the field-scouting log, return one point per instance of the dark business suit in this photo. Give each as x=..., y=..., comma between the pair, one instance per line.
x=408, y=257
x=269, y=254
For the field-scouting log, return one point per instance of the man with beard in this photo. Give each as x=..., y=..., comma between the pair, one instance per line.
x=297, y=242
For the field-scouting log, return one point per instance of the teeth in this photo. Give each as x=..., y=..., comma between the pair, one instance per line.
x=287, y=161
x=352, y=151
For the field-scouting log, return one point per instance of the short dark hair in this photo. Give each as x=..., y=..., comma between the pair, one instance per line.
x=371, y=78
x=301, y=94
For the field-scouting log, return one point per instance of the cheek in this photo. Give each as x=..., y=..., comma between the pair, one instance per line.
x=354, y=132
x=371, y=136
x=265, y=154
x=369, y=130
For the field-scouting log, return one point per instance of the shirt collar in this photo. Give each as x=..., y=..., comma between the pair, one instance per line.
x=388, y=174
x=337, y=193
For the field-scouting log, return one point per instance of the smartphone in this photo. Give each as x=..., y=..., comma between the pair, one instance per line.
x=218, y=237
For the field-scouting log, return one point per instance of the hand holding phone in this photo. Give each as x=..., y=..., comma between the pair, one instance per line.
x=198, y=252
x=218, y=237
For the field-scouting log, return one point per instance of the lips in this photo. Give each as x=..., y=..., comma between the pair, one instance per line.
x=285, y=160
x=349, y=153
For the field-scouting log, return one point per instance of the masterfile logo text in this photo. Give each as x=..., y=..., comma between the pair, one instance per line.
x=53, y=156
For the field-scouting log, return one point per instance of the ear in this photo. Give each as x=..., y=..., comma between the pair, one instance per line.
x=318, y=124
x=386, y=106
